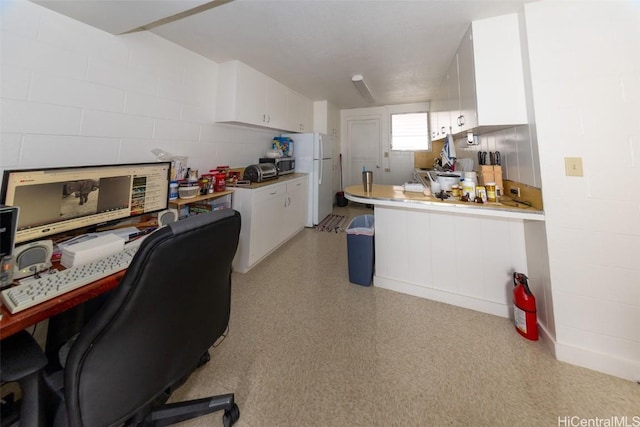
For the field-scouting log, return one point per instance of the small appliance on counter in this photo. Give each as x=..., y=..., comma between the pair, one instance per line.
x=284, y=165
x=260, y=172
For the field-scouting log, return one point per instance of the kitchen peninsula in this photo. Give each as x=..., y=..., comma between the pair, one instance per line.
x=455, y=252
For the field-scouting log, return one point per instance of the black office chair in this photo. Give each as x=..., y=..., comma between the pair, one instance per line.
x=171, y=305
x=22, y=360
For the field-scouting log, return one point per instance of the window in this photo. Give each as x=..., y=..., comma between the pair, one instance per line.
x=410, y=132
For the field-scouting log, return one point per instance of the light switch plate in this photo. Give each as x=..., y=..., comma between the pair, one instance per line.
x=573, y=166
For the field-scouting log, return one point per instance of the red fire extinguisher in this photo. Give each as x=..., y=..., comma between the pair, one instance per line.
x=524, y=308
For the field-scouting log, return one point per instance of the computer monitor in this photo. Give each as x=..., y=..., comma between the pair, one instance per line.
x=62, y=199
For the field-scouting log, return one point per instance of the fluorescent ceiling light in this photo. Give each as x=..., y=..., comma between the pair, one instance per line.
x=358, y=81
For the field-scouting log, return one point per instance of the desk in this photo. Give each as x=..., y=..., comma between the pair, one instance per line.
x=12, y=323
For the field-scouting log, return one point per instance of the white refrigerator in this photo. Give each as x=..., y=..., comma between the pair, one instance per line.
x=314, y=155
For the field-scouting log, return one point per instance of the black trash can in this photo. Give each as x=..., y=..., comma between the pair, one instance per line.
x=360, y=248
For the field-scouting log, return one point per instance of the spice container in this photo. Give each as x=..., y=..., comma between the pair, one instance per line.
x=491, y=192
x=456, y=192
x=204, y=185
x=481, y=192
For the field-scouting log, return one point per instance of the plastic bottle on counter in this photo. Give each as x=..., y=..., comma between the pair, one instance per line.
x=469, y=188
x=173, y=190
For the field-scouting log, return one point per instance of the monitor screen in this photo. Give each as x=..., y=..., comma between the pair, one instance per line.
x=57, y=200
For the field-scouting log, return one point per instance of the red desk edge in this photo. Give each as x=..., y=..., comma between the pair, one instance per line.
x=12, y=323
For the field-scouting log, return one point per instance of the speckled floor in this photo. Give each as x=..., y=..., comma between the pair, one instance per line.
x=308, y=348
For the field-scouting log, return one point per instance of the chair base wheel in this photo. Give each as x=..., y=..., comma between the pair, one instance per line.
x=231, y=416
x=204, y=359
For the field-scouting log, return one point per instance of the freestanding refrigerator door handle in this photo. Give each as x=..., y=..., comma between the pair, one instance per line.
x=321, y=167
x=321, y=147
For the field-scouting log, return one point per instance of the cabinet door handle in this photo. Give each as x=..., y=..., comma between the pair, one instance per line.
x=273, y=193
x=460, y=120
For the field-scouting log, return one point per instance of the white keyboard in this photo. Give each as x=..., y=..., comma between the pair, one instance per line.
x=33, y=291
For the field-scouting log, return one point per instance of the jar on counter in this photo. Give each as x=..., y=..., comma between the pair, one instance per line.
x=204, y=185
x=481, y=192
x=221, y=182
x=456, y=192
x=491, y=192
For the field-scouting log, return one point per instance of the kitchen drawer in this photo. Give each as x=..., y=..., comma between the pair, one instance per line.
x=269, y=192
x=293, y=186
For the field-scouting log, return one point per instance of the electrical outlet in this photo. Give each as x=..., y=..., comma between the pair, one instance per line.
x=515, y=191
x=573, y=166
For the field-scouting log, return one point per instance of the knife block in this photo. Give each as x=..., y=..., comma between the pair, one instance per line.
x=490, y=173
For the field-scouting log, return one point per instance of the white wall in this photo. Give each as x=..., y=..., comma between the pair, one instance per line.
x=394, y=169
x=517, y=147
x=585, y=75
x=75, y=95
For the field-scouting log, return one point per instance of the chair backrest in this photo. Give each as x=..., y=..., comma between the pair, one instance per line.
x=169, y=308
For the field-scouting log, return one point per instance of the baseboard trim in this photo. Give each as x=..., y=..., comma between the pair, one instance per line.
x=484, y=306
x=604, y=363
x=585, y=358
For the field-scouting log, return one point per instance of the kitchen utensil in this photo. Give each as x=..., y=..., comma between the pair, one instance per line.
x=498, y=158
x=492, y=159
x=483, y=158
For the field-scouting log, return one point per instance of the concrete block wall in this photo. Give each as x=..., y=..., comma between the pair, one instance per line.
x=585, y=75
x=75, y=95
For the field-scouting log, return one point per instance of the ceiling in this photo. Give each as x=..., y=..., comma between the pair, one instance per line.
x=401, y=47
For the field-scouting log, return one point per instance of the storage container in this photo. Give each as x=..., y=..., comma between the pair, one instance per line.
x=360, y=248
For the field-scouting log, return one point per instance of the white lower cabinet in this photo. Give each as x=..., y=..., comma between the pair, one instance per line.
x=271, y=215
x=459, y=259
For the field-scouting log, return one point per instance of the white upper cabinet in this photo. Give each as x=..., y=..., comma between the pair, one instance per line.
x=300, y=112
x=326, y=119
x=445, y=104
x=277, y=105
x=247, y=96
x=485, y=82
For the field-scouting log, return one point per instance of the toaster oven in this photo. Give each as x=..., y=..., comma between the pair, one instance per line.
x=260, y=172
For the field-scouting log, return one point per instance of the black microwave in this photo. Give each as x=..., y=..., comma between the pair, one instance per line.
x=284, y=165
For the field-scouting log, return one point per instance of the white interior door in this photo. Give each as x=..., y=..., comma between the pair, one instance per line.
x=364, y=141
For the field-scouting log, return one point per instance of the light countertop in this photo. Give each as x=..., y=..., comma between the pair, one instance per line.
x=279, y=180
x=390, y=195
